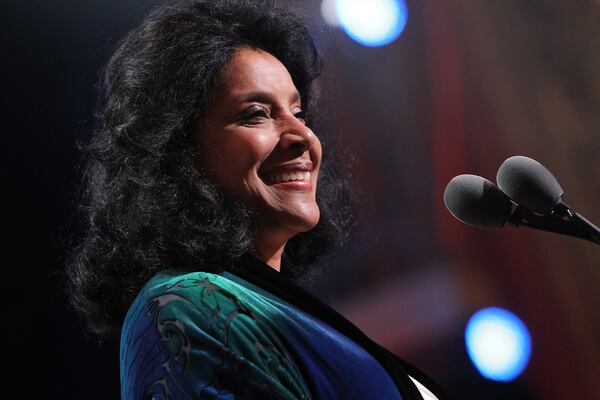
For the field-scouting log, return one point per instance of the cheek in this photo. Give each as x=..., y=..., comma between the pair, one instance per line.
x=234, y=162
x=247, y=152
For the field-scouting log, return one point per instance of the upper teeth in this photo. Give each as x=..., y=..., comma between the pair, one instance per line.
x=289, y=176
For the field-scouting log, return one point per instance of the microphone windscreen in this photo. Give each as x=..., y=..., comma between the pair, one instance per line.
x=476, y=201
x=529, y=183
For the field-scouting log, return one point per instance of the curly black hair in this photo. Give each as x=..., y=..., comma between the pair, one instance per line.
x=145, y=206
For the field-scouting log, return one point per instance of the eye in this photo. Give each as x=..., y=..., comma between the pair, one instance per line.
x=253, y=114
x=301, y=115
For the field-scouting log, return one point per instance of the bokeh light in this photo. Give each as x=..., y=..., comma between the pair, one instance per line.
x=498, y=343
x=371, y=23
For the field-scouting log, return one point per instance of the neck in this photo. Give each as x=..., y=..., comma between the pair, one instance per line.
x=269, y=250
x=272, y=260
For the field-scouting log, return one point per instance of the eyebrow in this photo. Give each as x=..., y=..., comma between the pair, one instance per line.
x=265, y=97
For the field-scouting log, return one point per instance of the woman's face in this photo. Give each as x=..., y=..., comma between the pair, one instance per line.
x=254, y=144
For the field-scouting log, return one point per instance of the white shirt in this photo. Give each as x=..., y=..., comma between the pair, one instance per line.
x=426, y=393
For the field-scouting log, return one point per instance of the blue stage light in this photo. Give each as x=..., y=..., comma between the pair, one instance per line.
x=372, y=22
x=498, y=343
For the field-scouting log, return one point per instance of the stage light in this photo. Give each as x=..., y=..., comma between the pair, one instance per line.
x=498, y=344
x=328, y=12
x=373, y=22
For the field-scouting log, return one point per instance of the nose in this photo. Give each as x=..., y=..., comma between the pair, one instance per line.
x=295, y=135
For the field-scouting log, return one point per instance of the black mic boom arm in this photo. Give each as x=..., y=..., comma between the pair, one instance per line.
x=561, y=220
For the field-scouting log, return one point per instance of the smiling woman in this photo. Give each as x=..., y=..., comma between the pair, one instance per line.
x=256, y=146
x=206, y=196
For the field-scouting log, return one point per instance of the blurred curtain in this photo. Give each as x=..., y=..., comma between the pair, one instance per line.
x=523, y=78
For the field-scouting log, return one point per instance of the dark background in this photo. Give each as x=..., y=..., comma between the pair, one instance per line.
x=467, y=85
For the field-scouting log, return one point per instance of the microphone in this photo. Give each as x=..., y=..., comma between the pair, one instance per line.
x=527, y=195
x=477, y=202
x=530, y=184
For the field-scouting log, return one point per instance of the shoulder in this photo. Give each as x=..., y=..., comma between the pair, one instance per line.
x=168, y=282
x=203, y=328
x=199, y=288
x=192, y=301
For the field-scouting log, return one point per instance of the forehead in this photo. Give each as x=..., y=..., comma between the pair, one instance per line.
x=252, y=70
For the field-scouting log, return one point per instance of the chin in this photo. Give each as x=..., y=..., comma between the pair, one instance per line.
x=305, y=222
x=287, y=222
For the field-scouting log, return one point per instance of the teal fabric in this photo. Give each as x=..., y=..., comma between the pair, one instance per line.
x=195, y=336
x=250, y=334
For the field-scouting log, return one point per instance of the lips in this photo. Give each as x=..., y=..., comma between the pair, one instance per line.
x=291, y=172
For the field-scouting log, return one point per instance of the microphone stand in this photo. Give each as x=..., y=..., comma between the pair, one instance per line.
x=561, y=220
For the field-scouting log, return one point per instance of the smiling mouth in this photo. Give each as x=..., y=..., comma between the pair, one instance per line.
x=293, y=172
x=293, y=176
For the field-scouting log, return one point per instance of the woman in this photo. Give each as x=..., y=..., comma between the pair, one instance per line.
x=207, y=195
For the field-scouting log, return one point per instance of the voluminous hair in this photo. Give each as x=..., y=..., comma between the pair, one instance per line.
x=145, y=207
